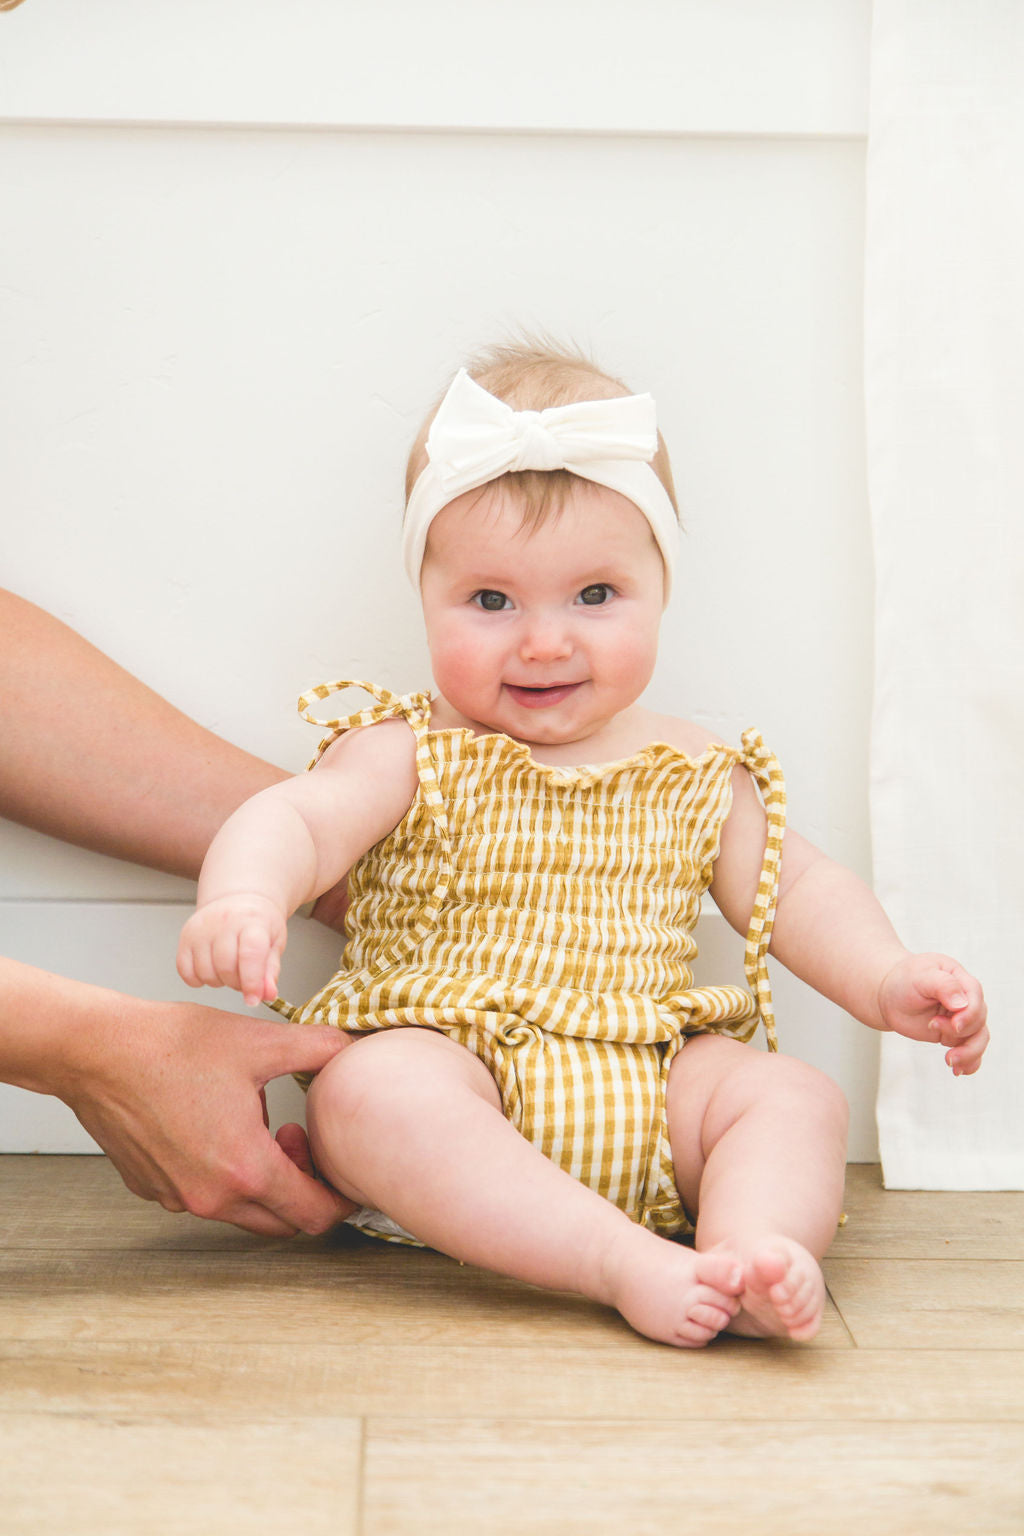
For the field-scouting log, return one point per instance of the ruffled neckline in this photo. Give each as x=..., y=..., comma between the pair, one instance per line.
x=499, y=744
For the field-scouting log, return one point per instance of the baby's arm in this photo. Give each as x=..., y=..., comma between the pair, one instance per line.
x=284, y=847
x=832, y=932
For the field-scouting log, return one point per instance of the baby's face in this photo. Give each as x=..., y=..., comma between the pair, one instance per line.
x=546, y=634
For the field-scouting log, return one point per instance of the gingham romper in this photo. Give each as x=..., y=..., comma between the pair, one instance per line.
x=543, y=917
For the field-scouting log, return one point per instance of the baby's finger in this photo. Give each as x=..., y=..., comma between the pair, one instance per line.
x=224, y=959
x=253, y=946
x=969, y=1022
x=186, y=965
x=965, y=1059
x=273, y=971
x=959, y=992
x=203, y=962
x=946, y=987
x=943, y=1029
x=192, y=958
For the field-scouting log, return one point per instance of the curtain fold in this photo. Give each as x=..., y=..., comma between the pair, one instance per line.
x=944, y=378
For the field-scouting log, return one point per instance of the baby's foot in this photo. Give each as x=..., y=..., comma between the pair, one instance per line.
x=668, y=1292
x=783, y=1292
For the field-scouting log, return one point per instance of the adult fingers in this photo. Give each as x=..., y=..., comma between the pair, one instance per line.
x=295, y=1198
x=266, y=1193
x=294, y=1142
x=331, y=908
x=284, y=1048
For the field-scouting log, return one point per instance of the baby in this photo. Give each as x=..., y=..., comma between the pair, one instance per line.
x=534, y=1083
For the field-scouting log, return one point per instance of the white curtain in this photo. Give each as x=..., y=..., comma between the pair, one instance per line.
x=945, y=409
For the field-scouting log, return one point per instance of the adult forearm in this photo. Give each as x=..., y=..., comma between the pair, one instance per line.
x=90, y=754
x=46, y=1022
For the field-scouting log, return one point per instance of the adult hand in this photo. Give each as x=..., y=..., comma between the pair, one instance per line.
x=331, y=908
x=173, y=1094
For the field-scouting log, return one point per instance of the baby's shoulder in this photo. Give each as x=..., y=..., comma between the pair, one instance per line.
x=685, y=735
x=382, y=751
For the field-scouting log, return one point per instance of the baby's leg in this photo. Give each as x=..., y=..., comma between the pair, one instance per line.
x=759, y=1148
x=410, y=1123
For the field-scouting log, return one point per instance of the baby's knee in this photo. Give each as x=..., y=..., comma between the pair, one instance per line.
x=749, y=1080
x=390, y=1074
x=357, y=1106
x=793, y=1083
x=374, y=1069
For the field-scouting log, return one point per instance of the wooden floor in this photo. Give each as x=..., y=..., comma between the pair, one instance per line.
x=160, y=1374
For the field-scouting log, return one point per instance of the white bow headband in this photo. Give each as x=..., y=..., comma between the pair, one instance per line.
x=475, y=438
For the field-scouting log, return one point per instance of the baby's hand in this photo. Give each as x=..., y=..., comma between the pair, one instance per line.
x=930, y=997
x=235, y=941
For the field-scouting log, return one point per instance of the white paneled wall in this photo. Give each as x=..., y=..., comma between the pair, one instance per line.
x=218, y=334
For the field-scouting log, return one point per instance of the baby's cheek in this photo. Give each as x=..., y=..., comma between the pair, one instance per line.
x=462, y=666
x=631, y=662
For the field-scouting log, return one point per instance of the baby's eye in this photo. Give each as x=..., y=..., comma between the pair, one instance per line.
x=599, y=592
x=490, y=601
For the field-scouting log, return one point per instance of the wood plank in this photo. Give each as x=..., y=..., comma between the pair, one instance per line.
x=924, y=1304
x=371, y=1293
x=105, y=1477
x=755, y=1380
x=183, y=1377
x=79, y=1203
x=923, y=1224
x=442, y=1477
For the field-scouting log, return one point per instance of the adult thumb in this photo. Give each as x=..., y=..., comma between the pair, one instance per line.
x=301, y=1048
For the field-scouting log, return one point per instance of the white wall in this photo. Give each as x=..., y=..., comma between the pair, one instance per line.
x=241, y=248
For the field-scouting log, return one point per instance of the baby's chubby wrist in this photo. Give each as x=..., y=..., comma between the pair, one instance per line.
x=891, y=981
x=227, y=906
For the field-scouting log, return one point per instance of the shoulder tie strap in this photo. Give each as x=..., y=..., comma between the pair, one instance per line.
x=414, y=707
x=764, y=767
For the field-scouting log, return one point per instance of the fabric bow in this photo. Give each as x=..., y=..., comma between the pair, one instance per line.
x=475, y=437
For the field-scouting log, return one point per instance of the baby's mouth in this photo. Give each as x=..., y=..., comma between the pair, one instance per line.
x=541, y=698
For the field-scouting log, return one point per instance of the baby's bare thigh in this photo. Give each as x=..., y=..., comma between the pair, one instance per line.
x=387, y=1091
x=404, y=1064
x=714, y=1081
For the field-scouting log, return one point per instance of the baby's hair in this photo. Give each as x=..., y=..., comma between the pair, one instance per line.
x=530, y=375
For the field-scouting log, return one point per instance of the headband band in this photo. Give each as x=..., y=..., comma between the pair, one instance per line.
x=475, y=438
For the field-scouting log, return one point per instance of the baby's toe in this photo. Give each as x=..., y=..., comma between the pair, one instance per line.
x=797, y=1301
x=722, y=1271
x=695, y=1335
x=770, y=1270
x=709, y=1315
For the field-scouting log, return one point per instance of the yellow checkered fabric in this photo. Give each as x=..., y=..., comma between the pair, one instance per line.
x=543, y=917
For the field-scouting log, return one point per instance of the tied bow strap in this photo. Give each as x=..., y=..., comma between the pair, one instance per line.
x=475, y=438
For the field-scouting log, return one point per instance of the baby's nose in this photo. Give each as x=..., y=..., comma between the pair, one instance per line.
x=546, y=638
